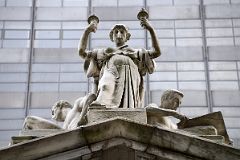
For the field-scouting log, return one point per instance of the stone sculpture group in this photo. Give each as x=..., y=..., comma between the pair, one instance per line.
x=118, y=83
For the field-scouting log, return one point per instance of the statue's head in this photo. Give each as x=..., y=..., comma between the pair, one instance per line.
x=59, y=110
x=119, y=34
x=171, y=99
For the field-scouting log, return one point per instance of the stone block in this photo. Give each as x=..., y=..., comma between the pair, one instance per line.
x=15, y=13
x=223, y=75
x=67, y=13
x=76, y=25
x=15, y=34
x=226, y=98
x=17, y=68
x=47, y=25
x=166, y=66
x=196, y=85
x=71, y=96
x=220, y=42
x=17, y=25
x=181, y=54
x=186, y=2
x=17, y=3
x=224, y=53
x=49, y=99
x=76, y=67
x=44, y=112
x=11, y=124
x=12, y=100
x=16, y=43
x=189, y=42
x=236, y=22
x=164, y=33
x=163, y=76
x=69, y=43
x=13, y=87
x=73, y=87
x=191, y=76
x=73, y=77
x=174, y=12
x=162, y=24
x=222, y=66
x=40, y=132
x=193, y=111
x=190, y=66
x=46, y=43
x=236, y=31
x=47, y=34
x=157, y=3
x=101, y=114
x=13, y=77
x=41, y=67
x=7, y=134
x=162, y=86
x=188, y=24
x=188, y=33
x=232, y=122
x=165, y=42
x=12, y=113
x=208, y=2
x=131, y=3
x=217, y=23
x=224, y=85
x=227, y=11
x=74, y=34
x=46, y=3
x=117, y=13
x=219, y=32
x=44, y=87
x=75, y=3
x=97, y=3
x=228, y=111
x=44, y=55
x=44, y=77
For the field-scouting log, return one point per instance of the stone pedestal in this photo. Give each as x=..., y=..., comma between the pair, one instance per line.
x=96, y=115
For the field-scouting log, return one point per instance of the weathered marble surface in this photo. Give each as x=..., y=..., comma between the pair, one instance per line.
x=89, y=139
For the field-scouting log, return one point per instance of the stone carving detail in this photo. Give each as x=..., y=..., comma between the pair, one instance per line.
x=119, y=90
x=209, y=124
x=62, y=111
x=118, y=72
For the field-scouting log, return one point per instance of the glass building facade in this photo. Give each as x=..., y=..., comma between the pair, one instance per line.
x=39, y=62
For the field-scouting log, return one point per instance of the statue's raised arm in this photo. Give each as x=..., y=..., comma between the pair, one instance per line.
x=143, y=17
x=92, y=27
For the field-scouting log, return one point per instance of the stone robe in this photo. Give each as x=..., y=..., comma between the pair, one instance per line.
x=120, y=72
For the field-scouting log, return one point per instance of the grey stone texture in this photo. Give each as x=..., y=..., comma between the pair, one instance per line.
x=148, y=141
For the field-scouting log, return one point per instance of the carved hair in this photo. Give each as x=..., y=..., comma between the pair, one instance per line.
x=168, y=97
x=62, y=103
x=117, y=26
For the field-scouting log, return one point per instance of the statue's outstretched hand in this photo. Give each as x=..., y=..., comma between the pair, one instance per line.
x=145, y=24
x=182, y=122
x=92, y=27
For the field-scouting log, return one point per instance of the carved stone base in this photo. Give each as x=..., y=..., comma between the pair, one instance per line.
x=96, y=115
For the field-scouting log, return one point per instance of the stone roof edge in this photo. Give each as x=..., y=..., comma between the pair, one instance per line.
x=119, y=127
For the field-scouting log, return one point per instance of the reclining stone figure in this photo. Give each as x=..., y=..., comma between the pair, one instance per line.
x=62, y=111
x=209, y=124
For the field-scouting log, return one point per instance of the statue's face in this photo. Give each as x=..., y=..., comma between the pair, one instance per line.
x=56, y=111
x=176, y=102
x=119, y=36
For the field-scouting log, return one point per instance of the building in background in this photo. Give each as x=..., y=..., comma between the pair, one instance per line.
x=39, y=62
